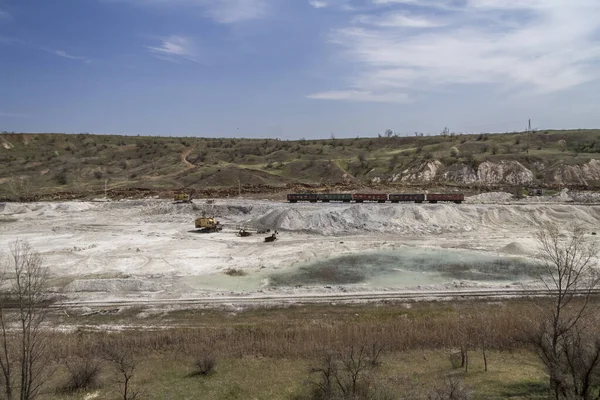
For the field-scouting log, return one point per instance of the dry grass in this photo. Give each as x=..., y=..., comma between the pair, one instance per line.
x=268, y=353
x=39, y=164
x=410, y=374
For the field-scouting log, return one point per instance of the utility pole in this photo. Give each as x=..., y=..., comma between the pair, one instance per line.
x=528, y=138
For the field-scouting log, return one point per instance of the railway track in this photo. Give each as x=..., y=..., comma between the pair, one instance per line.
x=341, y=298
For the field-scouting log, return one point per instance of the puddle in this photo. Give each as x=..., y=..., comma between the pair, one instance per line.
x=406, y=267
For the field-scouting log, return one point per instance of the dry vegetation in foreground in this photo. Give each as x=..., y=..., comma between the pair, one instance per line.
x=399, y=350
x=37, y=165
x=408, y=351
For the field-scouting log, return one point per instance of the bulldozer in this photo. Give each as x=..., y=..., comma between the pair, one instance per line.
x=208, y=225
x=182, y=198
x=244, y=233
x=271, y=238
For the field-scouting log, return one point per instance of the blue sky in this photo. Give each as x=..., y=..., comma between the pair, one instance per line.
x=298, y=68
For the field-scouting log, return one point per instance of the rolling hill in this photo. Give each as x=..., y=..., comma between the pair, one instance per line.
x=51, y=165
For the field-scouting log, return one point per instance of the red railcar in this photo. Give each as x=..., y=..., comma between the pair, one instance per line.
x=417, y=198
x=378, y=197
x=453, y=197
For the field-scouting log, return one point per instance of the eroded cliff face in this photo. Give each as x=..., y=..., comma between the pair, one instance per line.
x=506, y=172
x=576, y=174
x=460, y=173
x=425, y=172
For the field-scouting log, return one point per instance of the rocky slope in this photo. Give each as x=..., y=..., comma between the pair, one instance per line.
x=497, y=173
x=36, y=166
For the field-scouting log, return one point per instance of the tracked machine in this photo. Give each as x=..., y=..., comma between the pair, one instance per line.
x=271, y=238
x=182, y=198
x=208, y=225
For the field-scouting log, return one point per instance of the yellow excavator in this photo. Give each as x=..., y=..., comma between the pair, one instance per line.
x=182, y=198
x=208, y=225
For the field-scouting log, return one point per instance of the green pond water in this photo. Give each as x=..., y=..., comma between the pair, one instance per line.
x=405, y=267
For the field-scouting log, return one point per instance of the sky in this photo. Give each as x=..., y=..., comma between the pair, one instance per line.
x=298, y=68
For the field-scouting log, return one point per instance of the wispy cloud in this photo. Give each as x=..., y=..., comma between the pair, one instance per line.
x=5, y=15
x=64, y=54
x=398, y=20
x=538, y=46
x=362, y=95
x=221, y=11
x=175, y=48
x=318, y=4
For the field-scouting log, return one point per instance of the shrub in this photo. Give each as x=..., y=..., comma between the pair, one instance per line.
x=454, y=152
x=61, y=178
x=234, y=272
x=98, y=174
x=451, y=388
x=82, y=375
x=204, y=365
x=362, y=157
x=346, y=374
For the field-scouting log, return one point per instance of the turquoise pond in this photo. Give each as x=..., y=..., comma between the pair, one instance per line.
x=401, y=268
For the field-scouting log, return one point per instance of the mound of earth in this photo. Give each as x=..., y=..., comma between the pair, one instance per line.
x=418, y=219
x=514, y=248
x=491, y=197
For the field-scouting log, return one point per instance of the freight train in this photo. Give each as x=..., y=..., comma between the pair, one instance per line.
x=375, y=197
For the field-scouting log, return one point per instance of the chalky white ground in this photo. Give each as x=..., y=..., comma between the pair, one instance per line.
x=150, y=249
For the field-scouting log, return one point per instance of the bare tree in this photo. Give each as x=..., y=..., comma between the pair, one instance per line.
x=484, y=331
x=451, y=388
x=569, y=352
x=83, y=374
x=24, y=305
x=125, y=365
x=345, y=375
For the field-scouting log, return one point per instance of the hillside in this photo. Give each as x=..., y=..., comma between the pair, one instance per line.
x=69, y=166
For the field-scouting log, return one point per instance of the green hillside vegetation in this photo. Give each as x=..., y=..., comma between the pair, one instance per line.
x=37, y=165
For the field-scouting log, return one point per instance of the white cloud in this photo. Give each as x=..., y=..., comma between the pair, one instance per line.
x=64, y=54
x=361, y=95
x=318, y=4
x=439, y=4
x=534, y=46
x=399, y=19
x=5, y=15
x=174, y=48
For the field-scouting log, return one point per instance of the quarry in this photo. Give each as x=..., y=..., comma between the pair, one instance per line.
x=149, y=249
